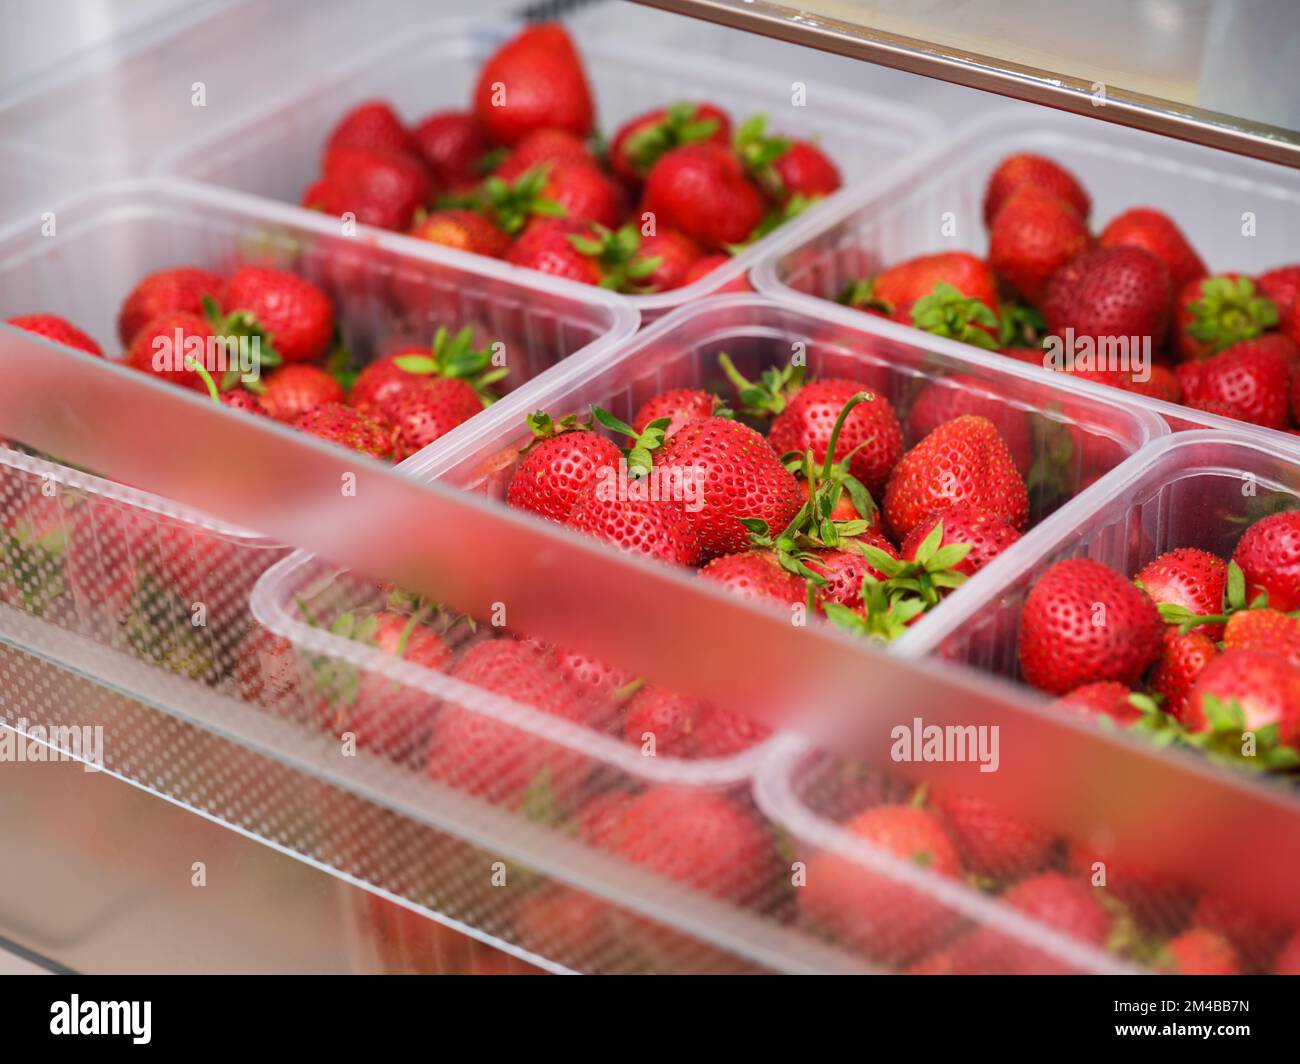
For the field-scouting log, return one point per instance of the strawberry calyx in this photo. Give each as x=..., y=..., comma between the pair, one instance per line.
x=1234, y=601
x=1228, y=739
x=929, y=574
x=456, y=357
x=860, y=294
x=885, y=614
x=1229, y=311
x=617, y=252
x=638, y=454
x=678, y=126
x=543, y=427
x=511, y=204
x=774, y=218
x=236, y=325
x=947, y=312
x=758, y=152
x=1020, y=326
x=770, y=394
x=829, y=484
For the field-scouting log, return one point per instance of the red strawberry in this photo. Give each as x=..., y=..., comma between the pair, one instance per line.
x=1198, y=952
x=1188, y=578
x=895, y=292
x=673, y=255
x=987, y=534
x=546, y=244
x=350, y=428
x=1111, y=292
x=1281, y=285
x=756, y=574
x=845, y=570
x=1028, y=169
x=583, y=192
x=724, y=733
x=179, y=288
x=1288, y=961
x=292, y=313
x=557, y=466
x=1034, y=235
x=687, y=727
x=1269, y=556
x=991, y=841
x=57, y=329
x=533, y=81
x=372, y=126
x=543, y=146
x=1065, y=904
x=886, y=918
x=600, y=816
x=961, y=463
x=701, y=189
x=1216, y=312
x=593, y=679
x=705, y=265
x=1103, y=699
x=1264, y=687
x=1264, y=629
x=159, y=345
x=871, y=430
x=618, y=510
x=378, y=381
x=1253, y=935
x=449, y=356
x=1182, y=659
x=948, y=398
x=640, y=141
x=451, y=144
x=1082, y=623
x=739, y=477
x=464, y=230
x=428, y=410
x=680, y=405
x=295, y=389
x=379, y=190
x=1156, y=232
x=1158, y=903
x=804, y=170
x=1289, y=323
x=1252, y=377
x=698, y=838
x=244, y=400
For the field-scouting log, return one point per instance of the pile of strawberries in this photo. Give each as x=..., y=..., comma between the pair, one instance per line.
x=1224, y=343
x=519, y=176
x=389, y=409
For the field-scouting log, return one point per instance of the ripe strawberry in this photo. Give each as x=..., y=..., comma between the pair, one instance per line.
x=377, y=189
x=1264, y=629
x=701, y=189
x=672, y=253
x=242, y=399
x=1198, y=952
x=680, y=405
x=372, y=126
x=582, y=192
x=1216, y=312
x=756, y=574
x=1028, y=169
x=699, y=838
x=1264, y=687
x=725, y=733
x=350, y=428
x=451, y=144
x=687, y=727
x=987, y=534
x=559, y=921
x=705, y=265
x=1155, y=901
x=599, y=817
x=1193, y=580
x=870, y=433
x=557, y=466
x=1082, y=622
x=1064, y=903
x=885, y=918
x=1153, y=231
x=450, y=356
x=296, y=388
x=992, y=842
x=590, y=678
x=1103, y=699
x=178, y=288
x=294, y=315
x=1252, y=378
x=790, y=172
x=1253, y=935
x=428, y=410
x=380, y=380
x=1288, y=961
x=895, y=292
x=533, y=81
x=157, y=345
x=619, y=511
x=640, y=141
x=36, y=533
x=739, y=477
x=961, y=463
x=948, y=398
x=464, y=230
x=52, y=327
x=543, y=146
x=1182, y=659
x=1034, y=235
x=845, y=570
x=1110, y=292
x=1281, y=285
x=1269, y=556
x=546, y=244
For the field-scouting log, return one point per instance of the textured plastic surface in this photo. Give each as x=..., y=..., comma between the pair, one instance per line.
x=433, y=67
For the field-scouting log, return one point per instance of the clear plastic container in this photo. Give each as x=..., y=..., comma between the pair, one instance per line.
x=127, y=566
x=276, y=153
x=936, y=205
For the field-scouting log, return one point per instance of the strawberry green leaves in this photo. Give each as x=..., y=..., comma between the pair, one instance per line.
x=1234, y=601
x=758, y=152
x=946, y=312
x=767, y=396
x=455, y=356
x=239, y=328
x=1229, y=311
x=511, y=206
x=679, y=125
x=639, y=460
x=618, y=252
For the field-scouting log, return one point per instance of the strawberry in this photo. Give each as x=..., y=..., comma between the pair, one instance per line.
x=547, y=244
x=619, y=511
x=1216, y=312
x=961, y=463
x=705, y=265
x=155, y=346
x=1281, y=285
x=687, y=727
x=52, y=327
x=987, y=534
x=1082, y=623
x=886, y=918
x=590, y=678
x=1289, y=323
x=641, y=141
x=1247, y=690
x=739, y=477
x=871, y=437
x=380, y=380
x=565, y=188
x=428, y=410
x=1252, y=378
x=948, y=398
x=1264, y=629
x=680, y=406
x=178, y=288
x=1186, y=582
x=1062, y=902
x=340, y=424
x=533, y=81
x=599, y=817
x=845, y=569
x=992, y=842
x=556, y=921
x=698, y=838
x=1103, y=699
x=790, y=172
x=451, y=356
x=35, y=537
x=293, y=314
x=724, y=733
x=1028, y=169
x=1034, y=235
x=1269, y=556
x=1198, y=952
x=557, y=466
x=1182, y=659
x=377, y=189
x=1156, y=232
x=1111, y=292
x=296, y=388
x=701, y=189
x=544, y=146
x=896, y=291
x=451, y=145
x=1288, y=961
x=1155, y=901
x=242, y=399
x=372, y=126
x=672, y=254
x=464, y=230
x=758, y=575
x=1253, y=935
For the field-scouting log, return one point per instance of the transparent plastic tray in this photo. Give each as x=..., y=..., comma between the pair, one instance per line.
x=1210, y=194
x=431, y=67
x=105, y=559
